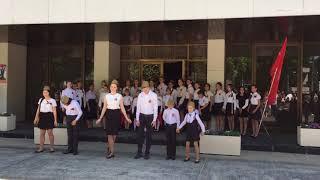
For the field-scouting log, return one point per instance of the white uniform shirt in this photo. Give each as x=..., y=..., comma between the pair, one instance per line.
x=166, y=98
x=90, y=95
x=174, y=94
x=203, y=101
x=231, y=98
x=208, y=94
x=190, y=117
x=190, y=92
x=80, y=97
x=113, y=100
x=182, y=91
x=171, y=116
x=102, y=98
x=127, y=100
x=73, y=109
x=162, y=89
x=133, y=90
x=47, y=105
x=147, y=104
x=219, y=97
x=195, y=94
x=69, y=92
x=255, y=97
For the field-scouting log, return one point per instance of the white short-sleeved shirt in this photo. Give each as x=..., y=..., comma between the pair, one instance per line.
x=47, y=105
x=255, y=97
x=220, y=96
x=208, y=94
x=127, y=100
x=113, y=100
x=203, y=101
x=195, y=94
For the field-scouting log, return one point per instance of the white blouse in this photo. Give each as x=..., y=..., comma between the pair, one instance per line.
x=195, y=94
x=203, y=101
x=47, y=105
x=127, y=100
x=190, y=117
x=255, y=97
x=113, y=101
x=219, y=97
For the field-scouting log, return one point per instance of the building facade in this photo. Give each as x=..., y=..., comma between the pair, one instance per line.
x=208, y=40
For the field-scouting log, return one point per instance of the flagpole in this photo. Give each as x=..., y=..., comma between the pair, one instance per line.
x=266, y=103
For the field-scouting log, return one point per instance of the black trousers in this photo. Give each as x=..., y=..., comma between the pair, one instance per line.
x=145, y=122
x=171, y=140
x=73, y=133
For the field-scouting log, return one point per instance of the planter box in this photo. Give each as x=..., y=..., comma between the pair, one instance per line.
x=224, y=145
x=308, y=137
x=7, y=123
x=60, y=136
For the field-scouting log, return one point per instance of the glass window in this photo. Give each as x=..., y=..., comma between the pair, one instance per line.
x=197, y=71
x=311, y=83
x=238, y=66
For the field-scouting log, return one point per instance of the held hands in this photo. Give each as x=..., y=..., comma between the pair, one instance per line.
x=129, y=120
x=74, y=122
x=55, y=124
x=202, y=133
x=98, y=121
x=137, y=123
x=177, y=130
x=153, y=124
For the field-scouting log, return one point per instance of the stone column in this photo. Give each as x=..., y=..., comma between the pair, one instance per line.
x=216, y=51
x=13, y=53
x=106, y=53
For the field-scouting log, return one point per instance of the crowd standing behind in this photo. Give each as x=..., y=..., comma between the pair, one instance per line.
x=153, y=106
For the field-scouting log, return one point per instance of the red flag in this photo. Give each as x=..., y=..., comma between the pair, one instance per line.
x=275, y=73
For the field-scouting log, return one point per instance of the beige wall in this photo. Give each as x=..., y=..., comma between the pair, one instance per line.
x=80, y=11
x=216, y=51
x=13, y=53
x=106, y=54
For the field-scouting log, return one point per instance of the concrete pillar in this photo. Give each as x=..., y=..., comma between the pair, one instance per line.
x=13, y=53
x=106, y=53
x=216, y=51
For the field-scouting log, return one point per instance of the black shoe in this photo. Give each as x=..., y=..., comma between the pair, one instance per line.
x=75, y=153
x=186, y=159
x=146, y=156
x=110, y=156
x=138, y=156
x=173, y=158
x=197, y=161
x=167, y=158
x=39, y=151
x=67, y=152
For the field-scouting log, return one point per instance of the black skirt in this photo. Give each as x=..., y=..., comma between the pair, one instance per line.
x=196, y=103
x=112, y=122
x=254, y=116
x=92, y=114
x=217, y=109
x=46, y=121
x=230, y=109
x=244, y=113
x=205, y=114
x=193, y=131
x=177, y=103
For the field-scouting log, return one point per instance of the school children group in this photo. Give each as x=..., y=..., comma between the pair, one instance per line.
x=147, y=108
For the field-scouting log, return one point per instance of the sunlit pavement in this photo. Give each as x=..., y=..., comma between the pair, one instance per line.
x=17, y=161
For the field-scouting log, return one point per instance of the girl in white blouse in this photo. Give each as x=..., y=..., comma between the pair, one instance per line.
x=219, y=99
x=127, y=102
x=254, y=110
x=46, y=119
x=192, y=121
x=112, y=105
x=230, y=106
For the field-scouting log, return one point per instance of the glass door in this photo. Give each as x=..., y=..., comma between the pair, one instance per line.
x=284, y=112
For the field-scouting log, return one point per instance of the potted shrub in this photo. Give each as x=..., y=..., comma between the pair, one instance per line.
x=7, y=122
x=60, y=135
x=225, y=143
x=308, y=134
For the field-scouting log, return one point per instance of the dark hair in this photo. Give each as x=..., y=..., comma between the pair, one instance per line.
x=207, y=84
x=220, y=84
x=254, y=85
x=201, y=92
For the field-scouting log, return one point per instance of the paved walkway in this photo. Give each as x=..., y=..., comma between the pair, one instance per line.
x=17, y=161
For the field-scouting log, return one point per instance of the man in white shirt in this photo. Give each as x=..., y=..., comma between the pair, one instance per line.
x=74, y=113
x=146, y=116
